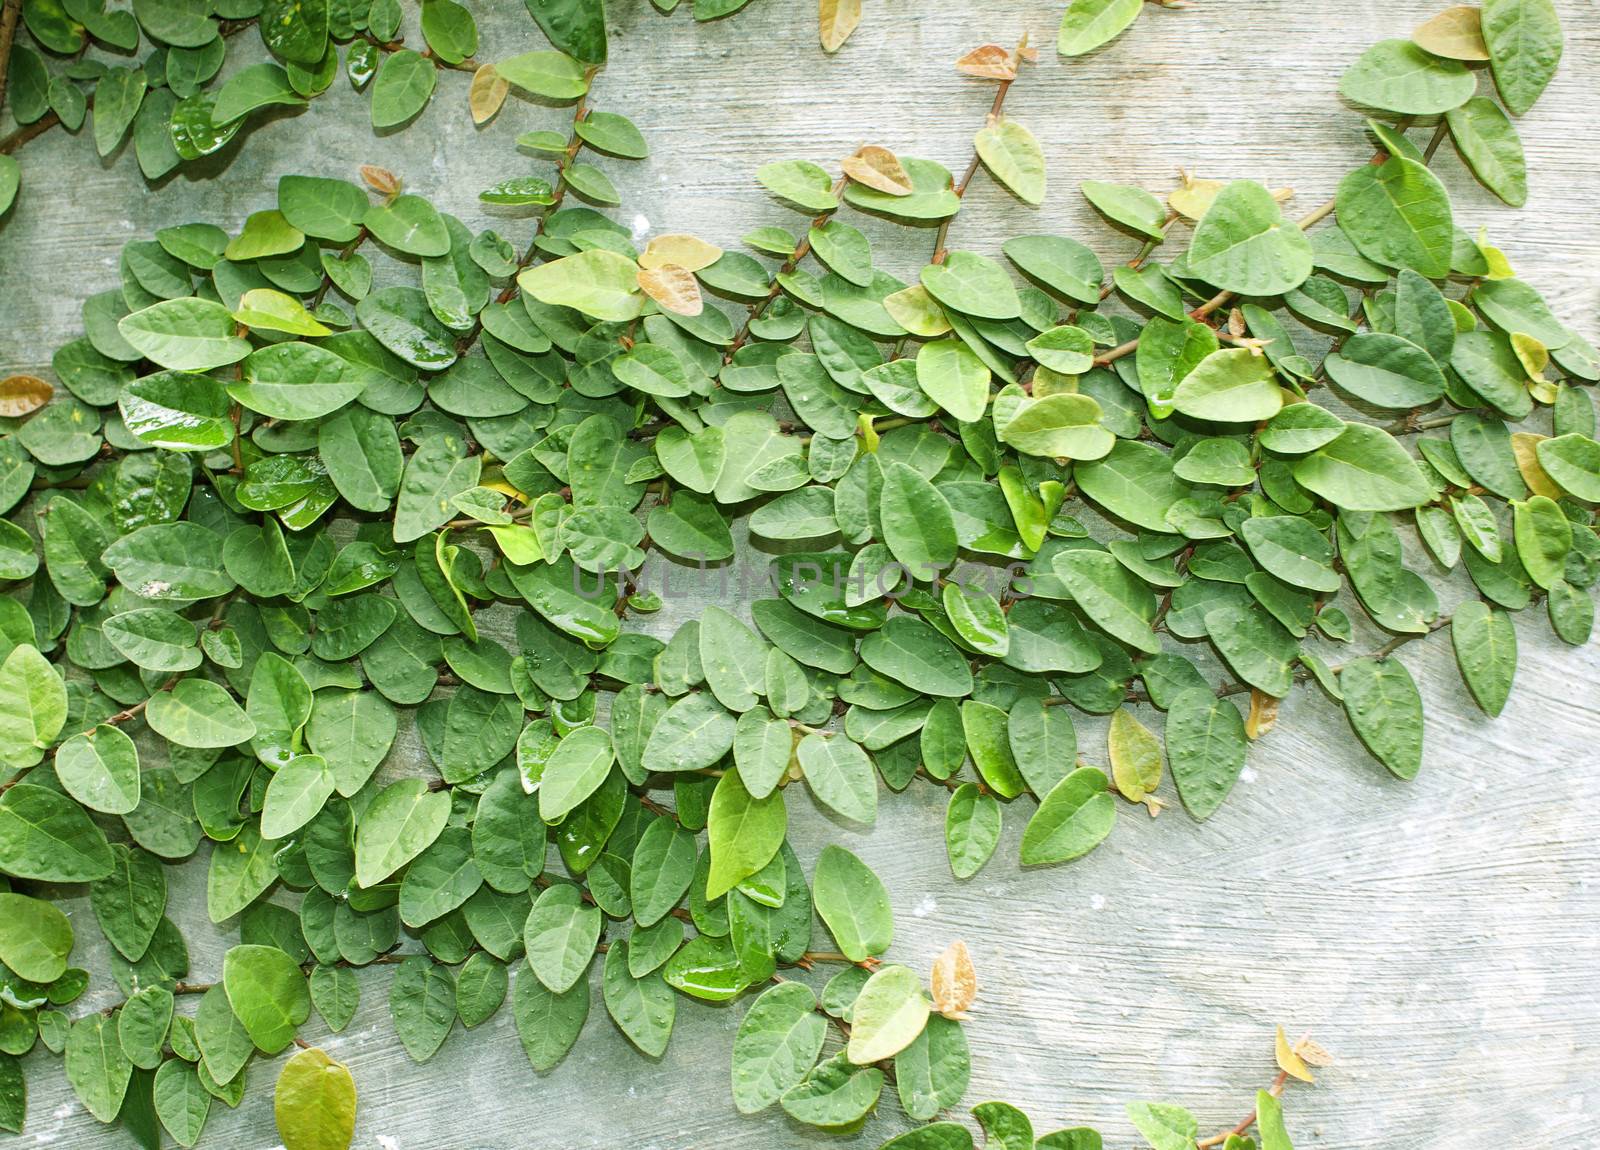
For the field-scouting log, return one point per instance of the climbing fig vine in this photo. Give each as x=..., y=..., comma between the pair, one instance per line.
x=338, y=576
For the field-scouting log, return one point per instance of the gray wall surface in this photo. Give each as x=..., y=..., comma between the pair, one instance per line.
x=1440, y=937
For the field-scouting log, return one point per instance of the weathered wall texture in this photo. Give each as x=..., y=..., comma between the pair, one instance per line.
x=1440, y=937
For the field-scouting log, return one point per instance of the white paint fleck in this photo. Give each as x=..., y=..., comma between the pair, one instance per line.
x=385, y=1142
x=641, y=225
x=1097, y=902
x=926, y=905
x=1248, y=775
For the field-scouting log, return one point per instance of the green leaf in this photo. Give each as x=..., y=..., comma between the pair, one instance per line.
x=182, y=1102
x=1232, y=385
x=1243, y=244
x=1004, y=1126
x=401, y=822
x=1292, y=549
x=268, y=994
x=599, y=283
x=1013, y=156
x=1385, y=709
x=917, y=523
x=1398, y=76
x=743, y=833
x=1164, y=1126
x=576, y=769
x=260, y=85
x=117, y=96
x=1524, y=40
x=834, y=1095
x=889, y=1013
x=1111, y=595
x=694, y=733
x=662, y=867
x=35, y=938
x=422, y=1002
x=295, y=795
x=1206, y=746
x=1543, y=537
x=1135, y=753
x=971, y=829
x=1398, y=214
x=851, y=900
x=1385, y=371
x=1485, y=644
x=553, y=75
x=199, y=713
x=952, y=375
x=911, y=652
x=1071, y=820
x=840, y=776
x=47, y=837
x=802, y=183
x=1488, y=141
x=402, y=88
x=974, y=285
x=187, y=334
x=643, y=1008
x=560, y=937
x=1087, y=24
x=177, y=411
x=548, y=1023
x=100, y=768
x=778, y=1042
x=314, y=1103
x=1573, y=462
x=1364, y=469
x=33, y=706
x=96, y=1066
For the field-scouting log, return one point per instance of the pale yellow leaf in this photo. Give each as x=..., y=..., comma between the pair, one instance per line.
x=1263, y=714
x=836, y=19
x=688, y=252
x=1193, y=199
x=673, y=287
x=1456, y=33
x=990, y=62
x=1523, y=445
x=1135, y=753
x=879, y=169
x=1289, y=1062
x=486, y=93
x=954, y=982
x=1532, y=354
x=915, y=310
x=23, y=395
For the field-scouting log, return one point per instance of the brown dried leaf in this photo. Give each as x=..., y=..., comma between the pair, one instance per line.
x=1456, y=33
x=673, y=287
x=1236, y=326
x=380, y=180
x=1263, y=714
x=1312, y=1053
x=486, y=93
x=836, y=19
x=23, y=395
x=1289, y=1062
x=879, y=169
x=990, y=62
x=954, y=981
x=688, y=252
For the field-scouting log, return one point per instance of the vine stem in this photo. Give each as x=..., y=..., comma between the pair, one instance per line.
x=1248, y=1121
x=802, y=249
x=962, y=184
x=9, y=16
x=1315, y=216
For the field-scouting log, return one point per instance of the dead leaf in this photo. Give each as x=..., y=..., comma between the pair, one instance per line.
x=1236, y=326
x=673, y=287
x=688, y=252
x=1456, y=33
x=23, y=395
x=954, y=981
x=879, y=169
x=836, y=19
x=381, y=180
x=1263, y=714
x=1289, y=1062
x=486, y=93
x=1312, y=1053
x=990, y=62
